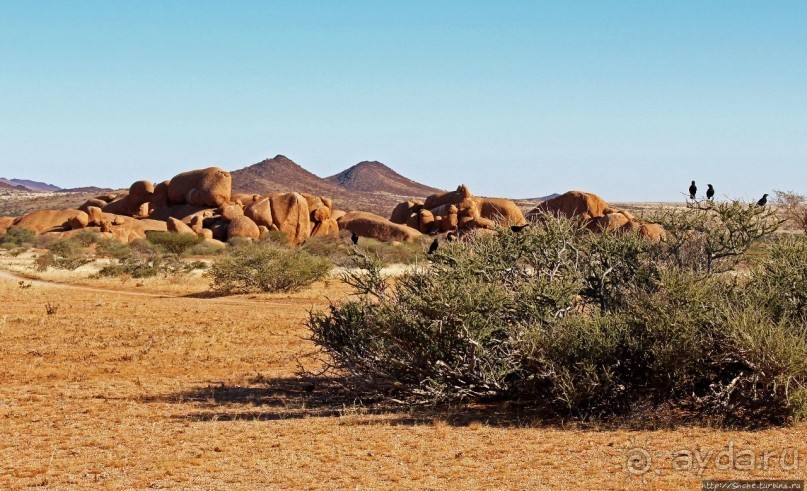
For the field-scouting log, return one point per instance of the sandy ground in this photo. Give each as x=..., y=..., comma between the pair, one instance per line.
x=131, y=387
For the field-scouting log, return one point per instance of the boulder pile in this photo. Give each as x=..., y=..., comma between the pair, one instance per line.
x=198, y=202
x=457, y=211
x=595, y=214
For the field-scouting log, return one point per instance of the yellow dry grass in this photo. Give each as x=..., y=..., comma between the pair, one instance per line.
x=127, y=390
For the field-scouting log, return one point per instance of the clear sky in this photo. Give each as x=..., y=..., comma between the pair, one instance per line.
x=630, y=100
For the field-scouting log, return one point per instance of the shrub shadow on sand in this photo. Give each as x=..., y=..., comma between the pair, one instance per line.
x=287, y=398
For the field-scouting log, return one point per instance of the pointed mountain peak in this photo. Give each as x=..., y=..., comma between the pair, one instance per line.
x=375, y=177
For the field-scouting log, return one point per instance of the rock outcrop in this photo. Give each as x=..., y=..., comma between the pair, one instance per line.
x=365, y=224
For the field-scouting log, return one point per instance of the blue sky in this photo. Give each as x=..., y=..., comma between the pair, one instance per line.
x=630, y=100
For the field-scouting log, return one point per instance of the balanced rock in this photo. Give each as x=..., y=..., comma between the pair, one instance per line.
x=209, y=187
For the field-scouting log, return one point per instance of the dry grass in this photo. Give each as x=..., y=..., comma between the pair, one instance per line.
x=135, y=390
x=16, y=203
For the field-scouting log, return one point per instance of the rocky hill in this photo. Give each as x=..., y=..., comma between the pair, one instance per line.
x=375, y=177
x=367, y=186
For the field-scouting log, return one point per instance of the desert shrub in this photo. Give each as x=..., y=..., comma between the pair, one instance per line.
x=171, y=242
x=112, y=248
x=17, y=237
x=793, y=208
x=578, y=324
x=67, y=254
x=144, y=246
x=337, y=251
x=140, y=265
x=394, y=253
x=779, y=281
x=715, y=235
x=276, y=237
x=143, y=259
x=87, y=237
x=205, y=249
x=340, y=251
x=265, y=267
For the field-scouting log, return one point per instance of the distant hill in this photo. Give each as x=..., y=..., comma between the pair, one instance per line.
x=31, y=185
x=375, y=177
x=281, y=174
x=8, y=186
x=370, y=186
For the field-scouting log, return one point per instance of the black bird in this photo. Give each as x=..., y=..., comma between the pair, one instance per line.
x=693, y=190
x=518, y=228
x=434, y=246
x=450, y=236
x=355, y=238
x=763, y=200
x=710, y=193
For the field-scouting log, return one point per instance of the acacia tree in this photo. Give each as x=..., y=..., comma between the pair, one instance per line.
x=715, y=233
x=793, y=208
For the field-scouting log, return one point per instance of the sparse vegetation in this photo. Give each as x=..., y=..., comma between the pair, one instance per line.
x=714, y=235
x=265, y=267
x=51, y=308
x=340, y=252
x=17, y=238
x=145, y=259
x=588, y=325
x=793, y=208
x=173, y=243
x=68, y=254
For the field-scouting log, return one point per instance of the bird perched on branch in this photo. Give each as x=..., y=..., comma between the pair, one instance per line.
x=518, y=228
x=354, y=237
x=763, y=200
x=710, y=193
x=693, y=190
x=434, y=246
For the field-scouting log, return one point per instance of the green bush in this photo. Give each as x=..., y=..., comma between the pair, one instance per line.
x=17, y=237
x=265, y=267
x=715, y=235
x=276, y=237
x=205, y=249
x=112, y=248
x=144, y=258
x=397, y=253
x=171, y=242
x=87, y=237
x=140, y=265
x=340, y=251
x=67, y=254
x=336, y=251
x=579, y=324
x=779, y=281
